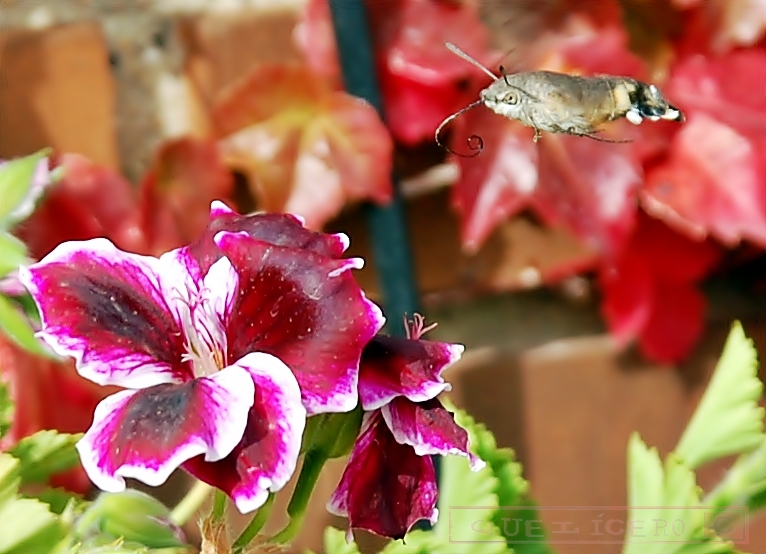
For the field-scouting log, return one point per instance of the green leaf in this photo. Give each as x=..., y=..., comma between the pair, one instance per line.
x=665, y=507
x=335, y=542
x=6, y=408
x=44, y=454
x=26, y=525
x=16, y=187
x=419, y=542
x=13, y=253
x=9, y=477
x=743, y=485
x=59, y=500
x=728, y=419
x=15, y=325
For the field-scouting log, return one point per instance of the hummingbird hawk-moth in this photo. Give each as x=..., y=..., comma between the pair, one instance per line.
x=563, y=103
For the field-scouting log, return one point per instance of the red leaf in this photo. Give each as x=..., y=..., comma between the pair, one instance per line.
x=584, y=184
x=714, y=179
x=306, y=148
x=186, y=176
x=675, y=324
x=48, y=395
x=90, y=201
x=421, y=81
x=719, y=26
x=315, y=37
x=649, y=290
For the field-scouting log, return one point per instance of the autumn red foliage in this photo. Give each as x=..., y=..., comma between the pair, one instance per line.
x=662, y=209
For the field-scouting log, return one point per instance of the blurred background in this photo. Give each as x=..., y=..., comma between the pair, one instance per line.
x=592, y=283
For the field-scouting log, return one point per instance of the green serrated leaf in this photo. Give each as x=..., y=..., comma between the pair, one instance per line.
x=335, y=542
x=511, y=489
x=665, y=511
x=26, y=524
x=17, y=187
x=743, y=485
x=13, y=253
x=728, y=419
x=9, y=477
x=6, y=408
x=14, y=325
x=467, y=501
x=418, y=542
x=44, y=454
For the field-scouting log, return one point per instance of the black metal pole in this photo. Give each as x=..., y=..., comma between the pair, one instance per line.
x=387, y=224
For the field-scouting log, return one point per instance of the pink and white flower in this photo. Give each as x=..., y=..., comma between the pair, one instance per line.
x=389, y=483
x=223, y=348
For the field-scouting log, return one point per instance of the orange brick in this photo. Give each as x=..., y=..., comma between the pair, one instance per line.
x=56, y=90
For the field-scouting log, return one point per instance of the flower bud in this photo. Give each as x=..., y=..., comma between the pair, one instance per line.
x=133, y=516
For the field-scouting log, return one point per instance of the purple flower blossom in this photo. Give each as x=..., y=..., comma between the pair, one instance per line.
x=224, y=347
x=389, y=483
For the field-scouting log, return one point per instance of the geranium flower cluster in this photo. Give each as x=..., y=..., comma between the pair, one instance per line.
x=224, y=348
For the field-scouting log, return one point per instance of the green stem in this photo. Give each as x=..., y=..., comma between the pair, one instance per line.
x=312, y=468
x=219, y=505
x=255, y=526
x=190, y=503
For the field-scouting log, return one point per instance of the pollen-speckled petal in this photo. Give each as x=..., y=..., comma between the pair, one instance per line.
x=107, y=309
x=278, y=229
x=394, y=366
x=386, y=487
x=146, y=434
x=429, y=428
x=266, y=457
x=307, y=310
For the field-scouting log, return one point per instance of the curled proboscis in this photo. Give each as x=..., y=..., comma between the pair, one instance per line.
x=475, y=142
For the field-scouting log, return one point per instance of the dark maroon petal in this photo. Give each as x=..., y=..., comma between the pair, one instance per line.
x=266, y=457
x=386, y=487
x=146, y=434
x=277, y=229
x=429, y=428
x=307, y=310
x=393, y=366
x=107, y=309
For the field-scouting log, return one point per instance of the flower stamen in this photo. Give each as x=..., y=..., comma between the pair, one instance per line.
x=416, y=328
x=204, y=336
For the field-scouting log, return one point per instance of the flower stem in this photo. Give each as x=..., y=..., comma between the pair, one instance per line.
x=312, y=468
x=219, y=505
x=254, y=527
x=190, y=503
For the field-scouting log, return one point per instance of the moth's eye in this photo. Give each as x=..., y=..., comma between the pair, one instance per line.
x=510, y=97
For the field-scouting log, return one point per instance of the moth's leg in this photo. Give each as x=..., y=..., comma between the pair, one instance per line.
x=601, y=139
x=591, y=134
x=538, y=132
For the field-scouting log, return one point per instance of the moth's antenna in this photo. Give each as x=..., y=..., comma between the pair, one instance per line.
x=457, y=51
x=475, y=142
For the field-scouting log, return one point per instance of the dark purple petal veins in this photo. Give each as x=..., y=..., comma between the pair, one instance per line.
x=386, y=487
x=148, y=433
x=307, y=310
x=106, y=308
x=277, y=229
x=429, y=428
x=266, y=457
x=393, y=367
